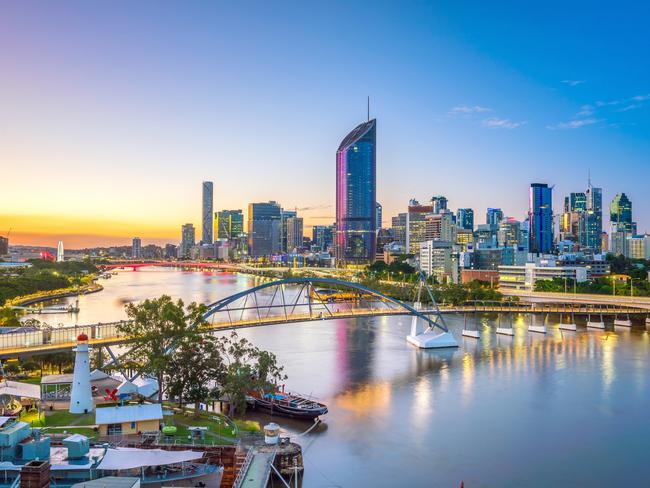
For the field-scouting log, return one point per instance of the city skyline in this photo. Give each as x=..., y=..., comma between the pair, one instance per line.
x=462, y=116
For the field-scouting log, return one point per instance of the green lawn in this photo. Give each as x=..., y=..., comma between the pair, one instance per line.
x=58, y=418
x=220, y=429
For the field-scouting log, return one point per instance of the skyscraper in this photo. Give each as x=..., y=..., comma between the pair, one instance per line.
x=622, y=226
x=493, y=216
x=438, y=203
x=136, y=248
x=540, y=218
x=356, y=180
x=465, y=218
x=264, y=228
x=620, y=213
x=188, y=240
x=229, y=224
x=398, y=226
x=294, y=233
x=208, y=213
x=593, y=219
x=416, y=225
x=286, y=215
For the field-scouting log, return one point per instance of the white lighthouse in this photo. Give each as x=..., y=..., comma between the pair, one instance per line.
x=81, y=399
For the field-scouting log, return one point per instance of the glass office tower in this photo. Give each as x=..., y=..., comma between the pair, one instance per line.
x=356, y=177
x=540, y=218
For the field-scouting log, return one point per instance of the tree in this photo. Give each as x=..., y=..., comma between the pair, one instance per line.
x=245, y=368
x=193, y=370
x=156, y=327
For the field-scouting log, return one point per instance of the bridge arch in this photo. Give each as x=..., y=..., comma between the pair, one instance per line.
x=223, y=304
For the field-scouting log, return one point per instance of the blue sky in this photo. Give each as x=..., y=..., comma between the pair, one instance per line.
x=474, y=101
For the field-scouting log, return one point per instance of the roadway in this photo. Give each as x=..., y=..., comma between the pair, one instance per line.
x=579, y=298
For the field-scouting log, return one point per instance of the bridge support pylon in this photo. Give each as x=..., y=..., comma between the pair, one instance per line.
x=509, y=330
x=571, y=325
x=626, y=322
x=468, y=332
x=593, y=324
x=540, y=329
x=428, y=338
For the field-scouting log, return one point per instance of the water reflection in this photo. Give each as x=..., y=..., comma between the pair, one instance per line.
x=533, y=410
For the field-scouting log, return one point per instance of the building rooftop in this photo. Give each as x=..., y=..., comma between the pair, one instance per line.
x=128, y=413
x=357, y=133
x=109, y=482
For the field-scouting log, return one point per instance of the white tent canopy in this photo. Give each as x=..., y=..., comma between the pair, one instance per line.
x=130, y=458
x=22, y=390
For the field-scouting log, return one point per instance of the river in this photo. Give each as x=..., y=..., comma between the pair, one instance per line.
x=562, y=409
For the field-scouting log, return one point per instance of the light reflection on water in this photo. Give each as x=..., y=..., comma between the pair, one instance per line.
x=561, y=409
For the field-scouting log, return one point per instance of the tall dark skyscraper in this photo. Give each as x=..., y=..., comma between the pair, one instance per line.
x=356, y=181
x=593, y=225
x=264, y=228
x=207, y=213
x=540, y=218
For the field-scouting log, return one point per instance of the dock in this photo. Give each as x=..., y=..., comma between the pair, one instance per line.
x=256, y=471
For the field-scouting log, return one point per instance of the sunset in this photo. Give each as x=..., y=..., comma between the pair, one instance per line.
x=387, y=244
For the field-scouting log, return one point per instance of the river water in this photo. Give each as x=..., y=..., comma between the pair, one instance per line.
x=563, y=409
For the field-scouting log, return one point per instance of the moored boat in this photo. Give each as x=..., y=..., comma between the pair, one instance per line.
x=287, y=405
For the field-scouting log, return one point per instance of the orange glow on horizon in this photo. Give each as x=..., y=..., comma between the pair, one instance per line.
x=81, y=232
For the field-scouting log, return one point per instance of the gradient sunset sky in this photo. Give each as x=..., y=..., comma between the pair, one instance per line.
x=113, y=113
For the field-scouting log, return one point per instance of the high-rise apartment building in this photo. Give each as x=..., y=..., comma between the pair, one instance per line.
x=286, y=215
x=540, y=218
x=416, y=225
x=207, y=213
x=508, y=234
x=229, y=224
x=294, y=233
x=136, y=248
x=440, y=226
x=188, y=240
x=398, y=226
x=356, y=175
x=264, y=228
x=465, y=218
x=4, y=246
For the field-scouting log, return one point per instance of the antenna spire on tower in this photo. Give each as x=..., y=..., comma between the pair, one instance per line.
x=368, y=108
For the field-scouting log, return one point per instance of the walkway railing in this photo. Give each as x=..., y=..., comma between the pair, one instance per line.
x=41, y=341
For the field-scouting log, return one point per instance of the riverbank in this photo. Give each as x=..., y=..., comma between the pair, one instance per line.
x=43, y=296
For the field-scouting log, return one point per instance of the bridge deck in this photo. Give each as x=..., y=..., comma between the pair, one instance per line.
x=42, y=341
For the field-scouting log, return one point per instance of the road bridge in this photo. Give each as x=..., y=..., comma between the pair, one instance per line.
x=578, y=298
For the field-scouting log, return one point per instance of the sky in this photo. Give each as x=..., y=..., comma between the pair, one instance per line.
x=113, y=113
